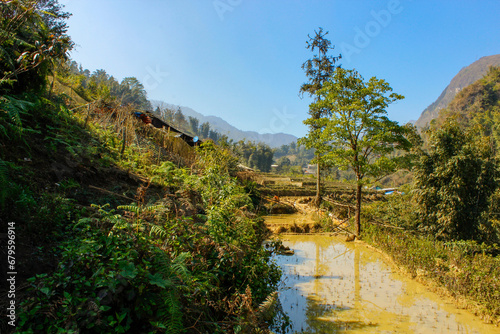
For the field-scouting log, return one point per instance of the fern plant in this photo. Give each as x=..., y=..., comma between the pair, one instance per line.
x=138, y=212
x=11, y=110
x=169, y=276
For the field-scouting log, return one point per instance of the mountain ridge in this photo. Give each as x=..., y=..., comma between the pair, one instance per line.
x=225, y=128
x=465, y=77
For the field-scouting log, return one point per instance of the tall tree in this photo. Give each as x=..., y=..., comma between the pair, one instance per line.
x=179, y=118
x=53, y=14
x=214, y=135
x=265, y=157
x=168, y=114
x=194, y=123
x=133, y=92
x=356, y=130
x=318, y=70
x=205, y=130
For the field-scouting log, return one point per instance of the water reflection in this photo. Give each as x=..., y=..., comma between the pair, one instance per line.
x=334, y=287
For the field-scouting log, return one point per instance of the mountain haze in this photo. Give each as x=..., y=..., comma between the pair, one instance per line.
x=224, y=128
x=467, y=76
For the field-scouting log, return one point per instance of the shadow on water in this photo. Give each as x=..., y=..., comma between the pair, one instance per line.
x=329, y=286
x=319, y=318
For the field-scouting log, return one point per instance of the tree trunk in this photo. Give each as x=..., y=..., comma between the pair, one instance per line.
x=318, y=184
x=358, y=210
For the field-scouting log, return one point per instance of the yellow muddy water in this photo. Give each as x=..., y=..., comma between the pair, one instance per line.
x=330, y=286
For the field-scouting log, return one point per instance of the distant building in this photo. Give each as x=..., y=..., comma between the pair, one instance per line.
x=310, y=169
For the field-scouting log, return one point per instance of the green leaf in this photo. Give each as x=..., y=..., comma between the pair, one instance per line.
x=121, y=316
x=158, y=280
x=129, y=271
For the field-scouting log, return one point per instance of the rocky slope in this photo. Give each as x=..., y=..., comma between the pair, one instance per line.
x=464, y=78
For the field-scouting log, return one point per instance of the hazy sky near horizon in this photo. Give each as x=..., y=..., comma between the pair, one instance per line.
x=241, y=59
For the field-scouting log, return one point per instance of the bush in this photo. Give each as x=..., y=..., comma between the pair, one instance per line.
x=454, y=182
x=108, y=283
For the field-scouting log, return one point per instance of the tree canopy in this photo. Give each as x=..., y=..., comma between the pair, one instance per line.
x=32, y=41
x=355, y=128
x=454, y=182
x=318, y=70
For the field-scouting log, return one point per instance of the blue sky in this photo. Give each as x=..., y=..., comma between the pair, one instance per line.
x=241, y=59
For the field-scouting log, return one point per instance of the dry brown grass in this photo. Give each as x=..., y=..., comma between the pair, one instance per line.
x=161, y=144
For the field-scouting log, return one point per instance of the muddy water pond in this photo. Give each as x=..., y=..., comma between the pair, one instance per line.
x=330, y=286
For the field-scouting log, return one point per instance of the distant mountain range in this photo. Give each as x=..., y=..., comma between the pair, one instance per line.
x=467, y=76
x=223, y=127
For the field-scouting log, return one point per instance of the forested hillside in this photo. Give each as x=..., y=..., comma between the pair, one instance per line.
x=113, y=225
x=103, y=89
x=478, y=105
x=465, y=77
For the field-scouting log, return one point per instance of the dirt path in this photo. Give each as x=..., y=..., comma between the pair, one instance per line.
x=300, y=203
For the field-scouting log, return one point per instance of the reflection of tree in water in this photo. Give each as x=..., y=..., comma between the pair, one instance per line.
x=321, y=319
x=315, y=311
x=281, y=321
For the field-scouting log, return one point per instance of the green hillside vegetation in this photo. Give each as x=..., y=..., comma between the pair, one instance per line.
x=126, y=241
x=292, y=157
x=467, y=76
x=445, y=226
x=119, y=227
x=478, y=106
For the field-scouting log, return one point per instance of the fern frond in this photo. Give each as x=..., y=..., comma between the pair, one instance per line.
x=158, y=231
x=162, y=264
x=11, y=110
x=152, y=208
x=83, y=221
x=170, y=314
x=267, y=308
x=131, y=208
x=179, y=266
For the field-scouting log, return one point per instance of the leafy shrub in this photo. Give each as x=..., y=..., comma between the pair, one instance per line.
x=11, y=111
x=454, y=182
x=237, y=237
x=108, y=283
